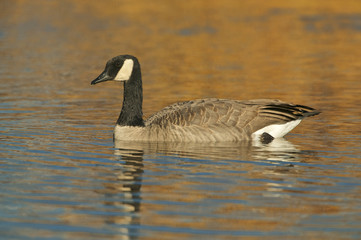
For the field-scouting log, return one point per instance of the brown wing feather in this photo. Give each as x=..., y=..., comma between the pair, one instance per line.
x=203, y=112
x=224, y=117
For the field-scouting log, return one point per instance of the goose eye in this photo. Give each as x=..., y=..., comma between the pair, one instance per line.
x=119, y=64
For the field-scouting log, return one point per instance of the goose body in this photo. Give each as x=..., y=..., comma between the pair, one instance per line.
x=201, y=120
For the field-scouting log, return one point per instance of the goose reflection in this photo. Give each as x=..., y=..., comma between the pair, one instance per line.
x=277, y=150
x=124, y=191
x=131, y=156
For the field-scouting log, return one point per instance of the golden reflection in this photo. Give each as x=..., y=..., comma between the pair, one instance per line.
x=235, y=153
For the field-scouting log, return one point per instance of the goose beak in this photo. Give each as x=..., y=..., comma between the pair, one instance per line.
x=101, y=78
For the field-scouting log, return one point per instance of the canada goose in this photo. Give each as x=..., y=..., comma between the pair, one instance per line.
x=202, y=120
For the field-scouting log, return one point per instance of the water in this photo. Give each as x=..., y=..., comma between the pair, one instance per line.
x=62, y=177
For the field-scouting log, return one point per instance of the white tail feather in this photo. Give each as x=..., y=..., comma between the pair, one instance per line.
x=277, y=130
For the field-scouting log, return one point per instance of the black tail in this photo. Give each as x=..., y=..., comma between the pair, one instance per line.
x=288, y=112
x=308, y=111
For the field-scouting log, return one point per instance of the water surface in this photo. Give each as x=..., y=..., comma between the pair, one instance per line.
x=62, y=177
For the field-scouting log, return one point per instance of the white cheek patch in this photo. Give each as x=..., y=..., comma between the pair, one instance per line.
x=126, y=70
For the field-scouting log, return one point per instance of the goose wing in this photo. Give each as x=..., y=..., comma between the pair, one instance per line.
x=238, y=119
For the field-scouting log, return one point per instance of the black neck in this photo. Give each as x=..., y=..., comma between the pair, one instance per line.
x=132, y=114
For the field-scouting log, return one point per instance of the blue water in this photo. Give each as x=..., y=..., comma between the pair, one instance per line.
x=63, y=177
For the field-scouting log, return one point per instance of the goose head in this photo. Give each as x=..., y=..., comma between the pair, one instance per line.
x=120, y=68
x=126, y=69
